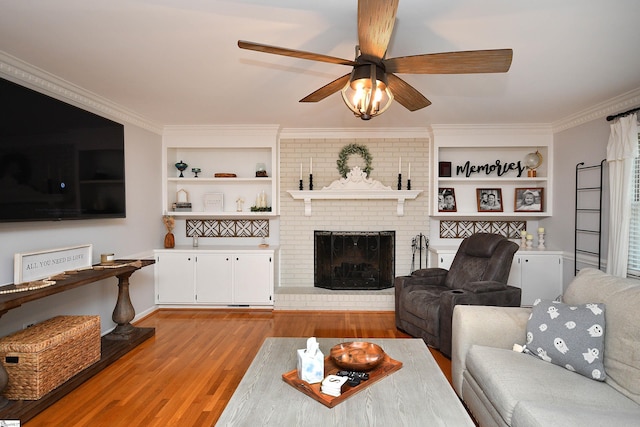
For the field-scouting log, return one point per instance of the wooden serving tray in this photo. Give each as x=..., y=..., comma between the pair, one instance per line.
x=385, y=368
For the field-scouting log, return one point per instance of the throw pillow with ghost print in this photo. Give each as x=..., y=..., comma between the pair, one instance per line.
x=571, y=336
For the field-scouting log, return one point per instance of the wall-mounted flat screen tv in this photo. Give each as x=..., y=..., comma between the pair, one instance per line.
x=57, y=161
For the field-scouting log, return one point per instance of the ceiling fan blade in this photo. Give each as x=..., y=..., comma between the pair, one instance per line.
x=375, y=25
x=464, y=62
x=328, y=89
x=406, y=94
x=294, y=53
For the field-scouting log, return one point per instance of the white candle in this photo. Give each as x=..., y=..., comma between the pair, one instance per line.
x=300, y=170
x=400, y=165
x=540, y=230
x=529, y=236
x=310, y=165
x=523, y=233
x=409, y=177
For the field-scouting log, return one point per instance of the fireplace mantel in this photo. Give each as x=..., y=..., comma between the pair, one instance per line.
x=356, y=185
x=399, y=195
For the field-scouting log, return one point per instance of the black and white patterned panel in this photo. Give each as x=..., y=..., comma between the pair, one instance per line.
x=462, y=229
x=228, y=227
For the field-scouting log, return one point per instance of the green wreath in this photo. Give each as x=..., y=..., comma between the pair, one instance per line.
x=348, y=150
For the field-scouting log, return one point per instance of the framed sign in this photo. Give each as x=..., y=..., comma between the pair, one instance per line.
x=30, y=266
x=213, y=202
x=529, y=199
x=446, y=200
x=489, y=199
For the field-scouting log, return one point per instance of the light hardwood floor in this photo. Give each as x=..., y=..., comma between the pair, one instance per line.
x=185, y=375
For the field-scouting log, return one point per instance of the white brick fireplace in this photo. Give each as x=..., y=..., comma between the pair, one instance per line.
x=296, y=290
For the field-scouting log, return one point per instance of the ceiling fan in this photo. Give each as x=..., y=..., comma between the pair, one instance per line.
x=371, y=86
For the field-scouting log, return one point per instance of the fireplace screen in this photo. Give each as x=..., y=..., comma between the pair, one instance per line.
x=354, y=260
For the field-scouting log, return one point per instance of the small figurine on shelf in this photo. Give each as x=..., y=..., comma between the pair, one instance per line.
x=239, y=204
x=169, y=239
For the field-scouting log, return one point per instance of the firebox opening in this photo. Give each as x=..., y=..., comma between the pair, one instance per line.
x=352, y=260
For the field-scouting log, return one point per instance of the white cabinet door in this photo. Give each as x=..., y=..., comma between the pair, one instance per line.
x=441, y=257
x=253, y=278
x=214, y=278
x=174, y=275
x=541, y=277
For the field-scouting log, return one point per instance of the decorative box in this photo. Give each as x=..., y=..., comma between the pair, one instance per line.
x=40, y=358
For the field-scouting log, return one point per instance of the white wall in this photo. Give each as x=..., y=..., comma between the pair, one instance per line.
x=139, y=232
x=584, y=143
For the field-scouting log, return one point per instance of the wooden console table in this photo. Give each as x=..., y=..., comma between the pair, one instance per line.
x=115, y=344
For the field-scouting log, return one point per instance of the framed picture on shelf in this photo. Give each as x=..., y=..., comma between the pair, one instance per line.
x=213, y=202
x=447, y=200
x=444, y=169
x=529, y=199
x=489, y=199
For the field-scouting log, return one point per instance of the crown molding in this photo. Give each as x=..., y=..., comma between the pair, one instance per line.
x=353, y=133
x=615, y=105
x=18, y=71
x=492, y=129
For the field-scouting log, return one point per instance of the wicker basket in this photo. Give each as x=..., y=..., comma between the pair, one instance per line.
x=42, y=357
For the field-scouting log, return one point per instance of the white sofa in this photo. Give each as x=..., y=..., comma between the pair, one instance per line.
x=501, y=387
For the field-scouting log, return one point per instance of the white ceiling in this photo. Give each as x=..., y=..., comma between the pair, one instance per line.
x=177, y=61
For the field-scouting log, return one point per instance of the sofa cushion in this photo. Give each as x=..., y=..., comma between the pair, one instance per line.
x=622, y=341
x=508, y=377
x=571, y=336
x=566, y=414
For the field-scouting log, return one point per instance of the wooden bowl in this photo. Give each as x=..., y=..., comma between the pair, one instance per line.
x=357, y=355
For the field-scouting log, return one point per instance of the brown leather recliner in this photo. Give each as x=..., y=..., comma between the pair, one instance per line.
x=478, y=276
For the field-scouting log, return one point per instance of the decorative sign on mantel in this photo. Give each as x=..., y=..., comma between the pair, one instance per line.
x=30, y=266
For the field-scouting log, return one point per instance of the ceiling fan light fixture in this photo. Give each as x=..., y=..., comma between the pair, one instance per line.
x=367, y=93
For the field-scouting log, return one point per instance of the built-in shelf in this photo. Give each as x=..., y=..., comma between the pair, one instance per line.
x=399, y=195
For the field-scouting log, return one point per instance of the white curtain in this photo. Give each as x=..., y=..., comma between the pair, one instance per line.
x=621, y=151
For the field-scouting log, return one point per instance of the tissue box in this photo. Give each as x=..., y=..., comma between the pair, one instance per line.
x=311, y=363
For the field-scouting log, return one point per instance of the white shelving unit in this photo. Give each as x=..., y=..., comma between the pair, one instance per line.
x=220, y=149
x=486, y=148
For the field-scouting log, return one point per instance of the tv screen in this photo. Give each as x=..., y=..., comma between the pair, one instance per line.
x=57, y=161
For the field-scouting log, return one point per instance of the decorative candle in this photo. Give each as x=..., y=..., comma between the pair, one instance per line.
x=540, y=230
x=523, y=233
x=529, y=236
x=409, y=174
x=310, y=165
x=400, y=165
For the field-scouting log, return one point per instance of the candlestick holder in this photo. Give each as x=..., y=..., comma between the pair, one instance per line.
x=540, y=240
x=408, y=184
x=523, y=243
x=300, y=186
x=310, y=181
x=399, y=181
x=529, y=243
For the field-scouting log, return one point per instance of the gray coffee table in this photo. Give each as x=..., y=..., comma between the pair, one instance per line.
x=416, y=395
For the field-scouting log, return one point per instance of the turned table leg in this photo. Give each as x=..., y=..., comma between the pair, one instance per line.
x=124, y=312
